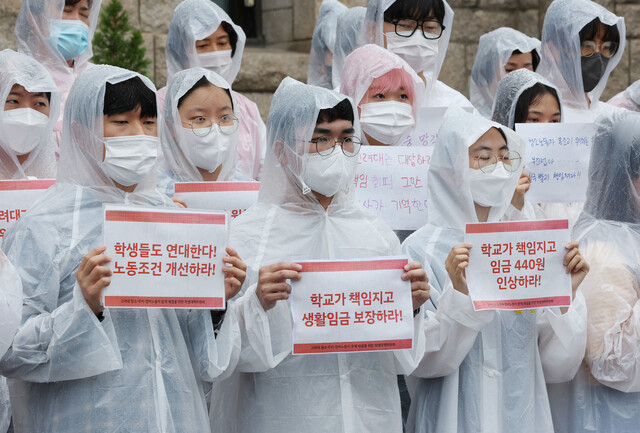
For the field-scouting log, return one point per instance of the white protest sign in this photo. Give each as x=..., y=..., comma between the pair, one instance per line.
x=518, y=265
x=351, y=306
x=391, y=181
x=17, y=196
x=165, y=258
x=429, y=121
x=557, y=160
x=232, y=197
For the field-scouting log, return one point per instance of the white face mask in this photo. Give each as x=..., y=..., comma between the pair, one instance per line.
x=420, y=53
x=219, y=62
x=489, y=189
x=388, y=122
x=24, y=128
x=209, y=151
x=129, y=159
x=328, y=174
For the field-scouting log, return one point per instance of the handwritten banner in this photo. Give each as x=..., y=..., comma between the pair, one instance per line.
x=518, y=265
x=16, y=197
x=351, y=306
x=429, y=121
x=557, y=160
x=163, y=258
x=391, y=181
x=232, y=197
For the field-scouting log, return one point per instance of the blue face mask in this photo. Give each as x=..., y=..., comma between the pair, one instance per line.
x=71, y=37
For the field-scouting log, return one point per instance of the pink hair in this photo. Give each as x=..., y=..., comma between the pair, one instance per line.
x=392, y=81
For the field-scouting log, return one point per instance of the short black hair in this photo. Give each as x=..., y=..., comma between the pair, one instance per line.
x=74, y=2
x=590, y=31
x=532, y=96
x=202, y=82
x=233, y=36
x=342, y=111
x=416, y=9
x=535, y=57
x=504, y=136
x=129, y=95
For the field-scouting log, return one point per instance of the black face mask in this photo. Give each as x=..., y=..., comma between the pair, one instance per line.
x=593, y=68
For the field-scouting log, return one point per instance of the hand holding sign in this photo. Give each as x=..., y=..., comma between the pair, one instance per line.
x=234, y=274
x=524, y=183
x=93, y=276
x=272, y=283
x=457, y=261
x=419, y=283
x=576, y=265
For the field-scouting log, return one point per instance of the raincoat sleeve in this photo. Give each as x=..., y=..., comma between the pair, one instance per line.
x=252, y=139
x=562, y=339
x=57, y=340
x=10, y=302
x=613, y=334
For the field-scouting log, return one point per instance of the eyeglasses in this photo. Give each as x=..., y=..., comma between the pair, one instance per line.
x=326, y=144
x=431, y=28
x=202, y=127
x=607, y=49
x=487, y=161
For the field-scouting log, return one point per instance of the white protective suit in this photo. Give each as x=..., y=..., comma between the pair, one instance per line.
x=629, y=98
x=33, y=34
x=195, y=20
x=16, y=68
x=177, y=165
x=494, y=50
x=605, y=394
x=438, y=94
x=10, y=313
x=348, y=30
x=137, y=370
x=560, y=57
x=500, y=385
x=273, y=390
x=366, y=64
x=323, y=44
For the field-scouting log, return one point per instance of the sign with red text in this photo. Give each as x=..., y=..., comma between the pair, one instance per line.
x=429, y=121
x=557, y=160
x=232, y=197
x=165, y=258
x=16, y=197
x=351, y=306
x=518, y=265
x=391, y=182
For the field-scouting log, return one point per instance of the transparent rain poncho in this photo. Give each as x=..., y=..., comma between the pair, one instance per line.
x=509, y=91
x=323, y=44
x=10, y=313
x=605, y=394
x=16, y=68
x=494, y=50
x=178, y=166
x=560, y=57
x=138, y=369
x=500, y=385
x=33, y=34
x=629, y=98
x=369, y=62
x=195, y=20
x=355, y=392
x=348, y=30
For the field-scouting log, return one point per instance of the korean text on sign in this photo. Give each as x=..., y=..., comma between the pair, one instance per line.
x=518, y=265
x=557, y=160
x=16, y=197
x=391, y=181
x=351, y=306
x=164, y=258
x=232, y=197
x=429, y=121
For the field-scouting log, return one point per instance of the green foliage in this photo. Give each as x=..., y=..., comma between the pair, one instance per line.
x=117, y=43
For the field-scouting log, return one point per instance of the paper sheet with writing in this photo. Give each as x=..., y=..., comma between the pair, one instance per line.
x=232, y=197
x=165, y=258
x=351, y=306
x=429, y=121
x=518, y=265
x=557, y=160
x=16, y=197
x=391, y=181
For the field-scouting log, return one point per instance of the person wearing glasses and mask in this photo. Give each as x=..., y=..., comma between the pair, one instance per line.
x=582, y=42
x=500, y=385
x=418, y=32
x=199, y=130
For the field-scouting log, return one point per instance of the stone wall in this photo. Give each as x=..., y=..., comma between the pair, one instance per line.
x=288, y=25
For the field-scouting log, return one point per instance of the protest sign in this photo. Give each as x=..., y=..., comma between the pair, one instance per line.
x=16, y=197
x=429, y=121
x=232, y=197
